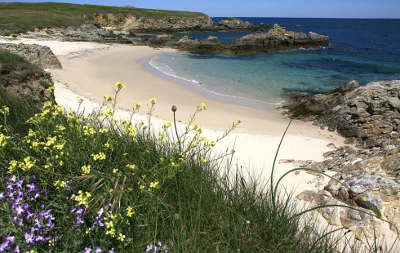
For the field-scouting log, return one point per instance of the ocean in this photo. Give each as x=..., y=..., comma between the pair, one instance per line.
x=362, y=49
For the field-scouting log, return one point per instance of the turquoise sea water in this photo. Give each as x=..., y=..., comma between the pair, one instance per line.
x=365, y=50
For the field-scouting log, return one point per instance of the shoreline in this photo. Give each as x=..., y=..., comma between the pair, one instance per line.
x=207, y=92
x=92, y=74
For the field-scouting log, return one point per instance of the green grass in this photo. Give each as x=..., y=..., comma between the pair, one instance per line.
x=177, y=192
x=22, y=17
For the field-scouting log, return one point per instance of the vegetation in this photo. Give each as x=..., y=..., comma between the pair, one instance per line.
x=15, y=69
x=79, y=183
x=22, y=17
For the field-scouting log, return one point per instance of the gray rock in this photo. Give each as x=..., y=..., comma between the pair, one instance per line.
x=36, y=54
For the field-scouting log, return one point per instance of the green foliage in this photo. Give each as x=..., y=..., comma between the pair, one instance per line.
x=22, y=17
x=150, y=187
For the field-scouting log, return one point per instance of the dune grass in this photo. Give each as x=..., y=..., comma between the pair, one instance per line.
x=74, y=183
x=22, y=17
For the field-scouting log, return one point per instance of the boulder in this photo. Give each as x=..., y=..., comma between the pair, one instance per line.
x=369, y=115
x=278, y=38
x=35, y=54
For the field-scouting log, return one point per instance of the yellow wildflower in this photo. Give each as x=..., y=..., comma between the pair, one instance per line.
x=138, y=106
x=107, y=145
x=119, y=85
x=60, y=184
x=108, y=112
x=28, y=163
x=202, y=107
x=5, y=110
x=115, y=171
x=129, y=211
x=82, y=198
x=88, y=131
x=3, y=140
x=103, y=130
x=121, y=237
x=60, y=128
x=132, y=167
x=154, y=185
x=13, y=166
x=166, y=125
x=161, y=137
x=99, y=157
x=108, y=98
x=153, y=101
x=86, y=169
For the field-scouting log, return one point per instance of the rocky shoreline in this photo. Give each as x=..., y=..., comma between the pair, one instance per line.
x=164, y=33
x=367, y=174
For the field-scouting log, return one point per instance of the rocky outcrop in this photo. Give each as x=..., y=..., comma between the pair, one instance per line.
x=368, y=115
x=22, y=79
x=36, y=54
x=278, y=38
x=135, y=24
x=234, y=24
x=366, y=176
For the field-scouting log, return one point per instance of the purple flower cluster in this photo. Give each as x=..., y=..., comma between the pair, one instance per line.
x=97, y=250
x=157, y=248
x=78, y=212
x=24, y=199
x=8, y=242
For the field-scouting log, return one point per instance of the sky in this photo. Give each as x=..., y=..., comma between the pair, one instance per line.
x=266, y=8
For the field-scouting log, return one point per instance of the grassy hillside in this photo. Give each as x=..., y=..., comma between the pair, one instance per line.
x=22, y=17
x=71, y=182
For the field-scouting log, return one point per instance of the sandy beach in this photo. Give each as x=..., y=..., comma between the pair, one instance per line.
x=91, y=75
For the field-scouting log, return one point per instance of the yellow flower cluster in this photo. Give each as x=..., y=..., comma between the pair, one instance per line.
x=161, y=137
x=119, y=85
x=154, y=185
x=166, y=125
x=27, y=164
x=202, y=107
x=108, y=98
x=82, y=198
x=89, y=131
x=59, y=184
x=108, y=112
x=153, y=101
x=132, y=167
x=5, y=110
x=3, y=140
x=86, y=169
x=109, y=222
x=130, y=212
x=99, y=157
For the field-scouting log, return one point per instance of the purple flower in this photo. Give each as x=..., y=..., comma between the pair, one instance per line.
x=88, y=250
x=29, y=238
x=16, y=250
x=111, y=250
x=2, y=196
x=98, y=250
x=99, y=218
